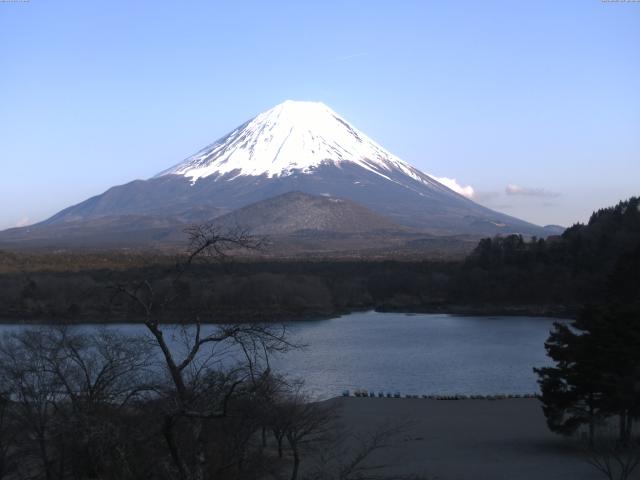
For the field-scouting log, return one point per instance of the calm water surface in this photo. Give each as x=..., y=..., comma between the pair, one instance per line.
x=420, y=354
x=412, y=354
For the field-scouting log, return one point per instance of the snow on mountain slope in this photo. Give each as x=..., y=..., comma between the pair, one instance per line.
x=295, y=212
x=293, y=137
x=294, y=147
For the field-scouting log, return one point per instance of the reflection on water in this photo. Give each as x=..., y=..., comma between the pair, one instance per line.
x=420, y=354
x=412, y=354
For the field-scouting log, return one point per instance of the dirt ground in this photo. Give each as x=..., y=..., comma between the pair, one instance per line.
x=468, y=439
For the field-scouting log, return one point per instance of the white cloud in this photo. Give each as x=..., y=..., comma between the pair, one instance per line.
x=23, y=222
x=453, y=184
x=529, y=192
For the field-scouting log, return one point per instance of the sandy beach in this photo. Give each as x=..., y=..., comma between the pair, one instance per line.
x=468, y=439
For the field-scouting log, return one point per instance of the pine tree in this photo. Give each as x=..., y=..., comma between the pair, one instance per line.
x=570, y=390
x=597, y=372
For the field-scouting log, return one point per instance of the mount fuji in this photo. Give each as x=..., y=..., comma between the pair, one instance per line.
x=294, y=147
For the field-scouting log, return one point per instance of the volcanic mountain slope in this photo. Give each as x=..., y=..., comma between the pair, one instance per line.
x=108, y=231
x=295, y=146
x=297, y=212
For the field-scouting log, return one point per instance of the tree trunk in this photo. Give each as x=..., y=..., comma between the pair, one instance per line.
x=623, y=427
x=174, y=371
x=200, y=450
x=46, y=463
x=296, y=463
x=167, y=430
x=592, y=424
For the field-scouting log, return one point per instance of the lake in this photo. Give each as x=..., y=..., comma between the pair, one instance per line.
x=412, y=353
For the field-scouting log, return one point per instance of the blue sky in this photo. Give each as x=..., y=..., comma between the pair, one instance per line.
x=534, y=104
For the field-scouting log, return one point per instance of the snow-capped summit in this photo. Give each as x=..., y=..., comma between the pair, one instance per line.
x=294, y=136
x=302, y=147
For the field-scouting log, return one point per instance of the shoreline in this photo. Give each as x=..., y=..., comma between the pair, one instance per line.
x=542, y=311
x=446, y=398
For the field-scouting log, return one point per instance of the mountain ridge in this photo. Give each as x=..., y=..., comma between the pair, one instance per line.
x=295, y=146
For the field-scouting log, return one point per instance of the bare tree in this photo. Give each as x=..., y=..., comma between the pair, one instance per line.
x=100, y=374
x=185, y=401
x=351, y=455
x=65, y=388
x=33, y=387
x=199, y=390
x=313, y=432
x=615, y=460
x=99, y=368
x=303, y=423
x=8, y=434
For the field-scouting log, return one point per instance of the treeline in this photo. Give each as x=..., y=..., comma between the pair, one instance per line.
x=574, y=268
x=227, y=292
x=596, y=374
x=503, y=275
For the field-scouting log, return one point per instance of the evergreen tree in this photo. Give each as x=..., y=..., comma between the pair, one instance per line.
x=597, y=371
x=570, y=390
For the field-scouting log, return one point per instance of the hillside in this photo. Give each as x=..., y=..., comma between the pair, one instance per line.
x=296, y=212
